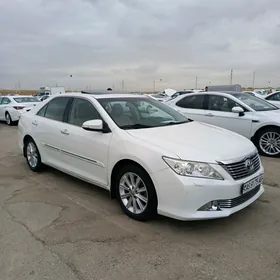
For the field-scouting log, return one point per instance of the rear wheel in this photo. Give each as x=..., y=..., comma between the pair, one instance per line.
x=8, y=119
x=268, y=142
x=33, y=156
x=136, y=193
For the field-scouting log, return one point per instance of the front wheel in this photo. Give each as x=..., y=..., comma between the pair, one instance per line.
x=136, y=193
x=268, y=142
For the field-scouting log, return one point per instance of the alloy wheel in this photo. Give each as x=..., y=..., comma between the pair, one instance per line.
x=8, y=119
x=270, y=143
x=133, y=193
x=32, y=154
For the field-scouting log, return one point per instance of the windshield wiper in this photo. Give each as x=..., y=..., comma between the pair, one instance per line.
x=135, y=126
x=174, y=122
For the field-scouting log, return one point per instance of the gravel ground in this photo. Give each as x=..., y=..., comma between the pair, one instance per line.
x=53, y=226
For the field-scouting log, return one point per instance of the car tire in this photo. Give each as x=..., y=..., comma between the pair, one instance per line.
x=33, y=156
x=136, y=193
x=8, y=119
x=268, y=142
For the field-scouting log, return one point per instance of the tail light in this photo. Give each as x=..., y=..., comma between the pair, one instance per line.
x=18, y=107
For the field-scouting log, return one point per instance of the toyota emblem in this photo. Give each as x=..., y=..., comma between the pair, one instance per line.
x=249, y=165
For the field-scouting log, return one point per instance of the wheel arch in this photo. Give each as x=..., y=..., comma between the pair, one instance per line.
x=118, y=165
x=253, y=138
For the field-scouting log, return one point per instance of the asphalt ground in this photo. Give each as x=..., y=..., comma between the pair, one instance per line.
x=53, y=226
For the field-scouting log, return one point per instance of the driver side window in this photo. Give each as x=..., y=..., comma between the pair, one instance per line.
x=5, y=101
x=222, y=103
x=81, y=111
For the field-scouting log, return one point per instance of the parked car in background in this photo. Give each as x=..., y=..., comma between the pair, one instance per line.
x=159, y=96
x=250, y=116
x=44, y=97
x=274, y=98
x=11, y=107
x=178, y=93
x=161, y=163
x=259, y=93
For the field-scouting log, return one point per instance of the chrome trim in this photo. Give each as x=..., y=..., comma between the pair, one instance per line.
x=238, y=159
x=90, y=160
x=243, y=168
x=234, y=202
x=106, y=187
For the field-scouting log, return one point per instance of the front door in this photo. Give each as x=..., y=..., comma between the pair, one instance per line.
x=220, y=113
x=87, y=151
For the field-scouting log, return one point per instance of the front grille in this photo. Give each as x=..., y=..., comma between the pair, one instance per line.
x=243, y=169
x=230, y=203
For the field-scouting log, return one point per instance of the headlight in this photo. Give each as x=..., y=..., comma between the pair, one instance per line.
x=193, y=169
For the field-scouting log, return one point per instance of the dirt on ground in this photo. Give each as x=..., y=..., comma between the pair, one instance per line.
x=53, y=226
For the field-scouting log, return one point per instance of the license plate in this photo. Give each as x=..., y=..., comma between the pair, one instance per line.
x=248, y=186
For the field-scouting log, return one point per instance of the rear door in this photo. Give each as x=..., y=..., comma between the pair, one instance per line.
x=193, y=107
x=1, y=110
x=86, y=151
x=219, y=113
x=47, y=127
x=5, y=101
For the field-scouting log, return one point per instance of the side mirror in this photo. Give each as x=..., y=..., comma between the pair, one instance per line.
x=238, y=110
x=96, y=125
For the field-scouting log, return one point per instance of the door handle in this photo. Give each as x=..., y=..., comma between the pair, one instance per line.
x=34, y=123
x=209, y=115
x=65, y=132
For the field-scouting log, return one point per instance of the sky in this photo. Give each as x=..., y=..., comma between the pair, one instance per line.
x=144, y=43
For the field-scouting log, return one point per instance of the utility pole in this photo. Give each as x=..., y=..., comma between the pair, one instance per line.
x=122, y=85
x=196, y=82
x=231, y=73
x=254, y=74
x=154, y=85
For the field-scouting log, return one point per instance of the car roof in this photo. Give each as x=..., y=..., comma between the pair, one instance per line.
x=101, y=95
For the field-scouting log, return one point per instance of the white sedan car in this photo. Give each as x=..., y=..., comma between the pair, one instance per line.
x=12, y=107
x=161, y=163
x=250, y=116
x=274, y=98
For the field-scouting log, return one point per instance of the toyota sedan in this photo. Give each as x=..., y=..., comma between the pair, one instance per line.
x=154, y=161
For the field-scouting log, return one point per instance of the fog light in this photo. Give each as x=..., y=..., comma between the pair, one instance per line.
x=210, y=206
x=215, y=206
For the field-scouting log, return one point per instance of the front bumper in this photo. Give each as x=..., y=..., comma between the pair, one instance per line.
x=180, y=197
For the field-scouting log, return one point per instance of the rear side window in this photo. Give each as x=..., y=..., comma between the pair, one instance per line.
x=55, y=109
x=25, y=99
x=191, y=102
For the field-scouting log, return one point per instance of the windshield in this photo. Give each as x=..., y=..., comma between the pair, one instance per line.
x=25, y=99
x=135, y=113
x=255, y=103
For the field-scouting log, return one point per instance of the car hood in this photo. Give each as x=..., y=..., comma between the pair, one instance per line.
x=197, y=141
x=273, y=115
